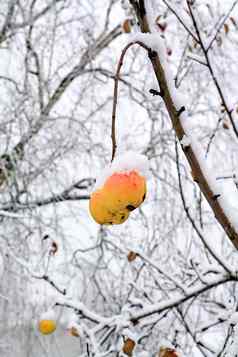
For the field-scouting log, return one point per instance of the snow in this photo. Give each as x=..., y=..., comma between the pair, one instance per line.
x=124, y=163
x=185, y=141
x=67, y=318
x=230, y=208
x=48, y=315
x=1, y=265
x=77, y=305
x=143, y=354
x=208, y=171
x=153, y=41
x=132, y=335
x=234, y=318
x=10, y=214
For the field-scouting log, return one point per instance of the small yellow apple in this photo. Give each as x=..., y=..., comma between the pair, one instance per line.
x=47, y=327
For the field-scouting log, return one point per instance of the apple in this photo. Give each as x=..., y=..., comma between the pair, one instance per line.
x=121, y=193
x=125, y=190
x=47, y=327
x=100, y=211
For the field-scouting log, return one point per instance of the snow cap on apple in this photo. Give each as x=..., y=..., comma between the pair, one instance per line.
x=47, y=322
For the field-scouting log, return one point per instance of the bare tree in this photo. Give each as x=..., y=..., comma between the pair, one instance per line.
x=165, y=282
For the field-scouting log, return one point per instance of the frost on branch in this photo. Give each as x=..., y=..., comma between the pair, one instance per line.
x=232, y=347
x=1, y=265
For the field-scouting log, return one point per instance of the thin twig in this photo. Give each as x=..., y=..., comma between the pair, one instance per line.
x=181, y=21
x=218, y=259
x=215, y=80
x=221, y=25
x=115, y=94
x=51, y=282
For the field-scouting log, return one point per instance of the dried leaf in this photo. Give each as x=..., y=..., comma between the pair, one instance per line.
x=226, y=28
x=74, y=332
x=131, y=256
x=167, y=352
x=194, y=43
x=128, y=347
x=54, y=248
x=225, y=124
x=126, y=26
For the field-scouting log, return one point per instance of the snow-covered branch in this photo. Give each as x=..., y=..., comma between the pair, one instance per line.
x=193, y=152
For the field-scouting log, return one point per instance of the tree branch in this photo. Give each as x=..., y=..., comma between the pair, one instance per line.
x=188, y=150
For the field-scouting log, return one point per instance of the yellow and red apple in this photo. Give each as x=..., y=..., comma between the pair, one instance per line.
x=125, y=190
x=121, y=193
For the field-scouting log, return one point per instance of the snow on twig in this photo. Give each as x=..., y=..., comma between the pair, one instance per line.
x=11, y=215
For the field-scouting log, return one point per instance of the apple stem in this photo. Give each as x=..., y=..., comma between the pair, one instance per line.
x=115, y=94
